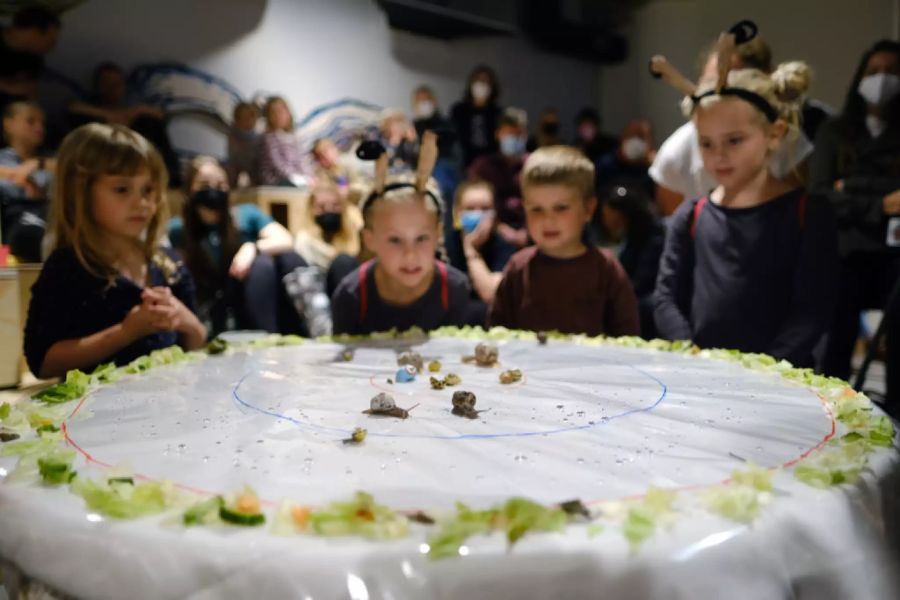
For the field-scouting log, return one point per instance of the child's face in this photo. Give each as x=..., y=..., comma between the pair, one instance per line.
x=209, y=175
x=245, y=119
x=279, y=116
x=734, y=143
x=123, y=205
x=476, y=198
x=404, y=236
x=26, y=126
x=325, y=202
x=556, y=215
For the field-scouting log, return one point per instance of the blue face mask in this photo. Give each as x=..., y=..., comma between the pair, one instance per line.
x=469, y=219
x=511, y=145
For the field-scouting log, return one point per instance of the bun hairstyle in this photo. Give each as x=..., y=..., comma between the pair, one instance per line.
x=779, y=95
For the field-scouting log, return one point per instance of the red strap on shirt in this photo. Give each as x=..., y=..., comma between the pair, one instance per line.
x=445, y=285
x=363, y=292
x=698, y=206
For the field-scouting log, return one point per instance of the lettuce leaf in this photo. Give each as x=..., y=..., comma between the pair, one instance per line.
x=516, y=517
x=122, y=500
x=360, y=516
x=74, y=387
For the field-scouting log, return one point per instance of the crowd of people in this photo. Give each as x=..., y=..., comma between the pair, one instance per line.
x=764, y=224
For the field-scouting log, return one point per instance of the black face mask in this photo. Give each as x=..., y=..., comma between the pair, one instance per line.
x=210, y=198
x=330, y=222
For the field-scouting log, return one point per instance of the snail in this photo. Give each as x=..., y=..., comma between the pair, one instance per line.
x=510, y=376
x=384, y=404
x=450, y=379
x=357, y=437
x=486, y=355
x=464, y=405
x=411, y=358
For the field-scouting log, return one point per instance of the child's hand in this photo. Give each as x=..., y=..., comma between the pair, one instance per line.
x=482, y=231
x=243, y=260
x=139, y=322
x=168, y=312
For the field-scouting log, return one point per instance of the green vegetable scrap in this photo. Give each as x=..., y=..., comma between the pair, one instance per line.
x=74, y=387
x=56, y=467
x=119, y=499
x=643, y=518
x=204, y=512
x=107, y=373
x=360, y=516
x=216, y=346
x=517, y=517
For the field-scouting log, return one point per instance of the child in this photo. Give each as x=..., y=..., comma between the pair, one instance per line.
x=484, y=253
x=561, y=283
x=242, y=142
x=24, y=186
x=750, y=266
x=108, y=292
x=281, y=161
x=238, y=255
x=404, y=286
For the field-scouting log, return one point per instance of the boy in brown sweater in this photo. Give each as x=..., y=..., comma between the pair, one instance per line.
x=561, y=283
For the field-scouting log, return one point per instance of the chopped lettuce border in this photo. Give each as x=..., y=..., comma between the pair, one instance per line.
x=45, y=458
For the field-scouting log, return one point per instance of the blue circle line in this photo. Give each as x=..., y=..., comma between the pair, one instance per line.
x=467, y=436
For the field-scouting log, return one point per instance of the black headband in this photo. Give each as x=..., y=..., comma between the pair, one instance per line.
x=746, y=95
x=367, y=203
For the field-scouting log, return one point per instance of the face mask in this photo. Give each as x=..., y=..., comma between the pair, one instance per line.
x=424, y=109
x=330, y=222
x=550, y=128
x=880, y=88
x=481, y=90
x=634, y=149
x=587, y=132
x=511, y=145
x=210, y=198
x=469, y=219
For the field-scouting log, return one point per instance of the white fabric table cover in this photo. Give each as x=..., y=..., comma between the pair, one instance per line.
x=591, y=422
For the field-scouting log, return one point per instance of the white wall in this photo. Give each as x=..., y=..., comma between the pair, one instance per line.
x=313, y=51
x=830, y=35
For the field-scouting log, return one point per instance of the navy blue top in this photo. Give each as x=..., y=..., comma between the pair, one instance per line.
x=67, y=302
x=426, y=312
x=760, y=279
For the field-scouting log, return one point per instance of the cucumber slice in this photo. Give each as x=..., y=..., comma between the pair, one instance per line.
x=239, y=518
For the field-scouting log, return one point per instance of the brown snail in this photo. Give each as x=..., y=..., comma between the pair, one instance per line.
x=384, y=404
x=464, y=405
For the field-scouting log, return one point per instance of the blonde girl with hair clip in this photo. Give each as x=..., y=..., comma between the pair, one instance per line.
x=405, y=285
x=750, y=266
x=108, y=291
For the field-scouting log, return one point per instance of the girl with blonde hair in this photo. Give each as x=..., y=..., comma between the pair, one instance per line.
x=108, y=291
x=751, y=265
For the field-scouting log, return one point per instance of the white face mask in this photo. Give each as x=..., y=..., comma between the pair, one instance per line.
x=481, y=90
x=879, y=89
x=424, y=109
x=634, y=149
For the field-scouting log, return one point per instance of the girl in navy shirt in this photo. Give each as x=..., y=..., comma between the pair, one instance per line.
x=751, y=265
x=108, y=291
